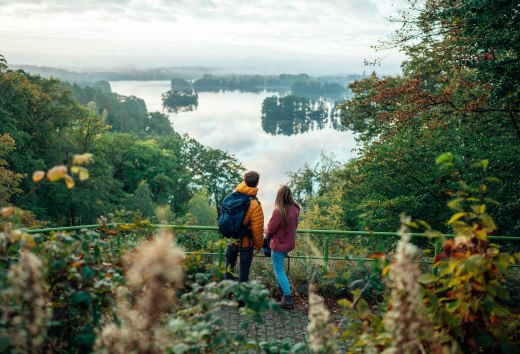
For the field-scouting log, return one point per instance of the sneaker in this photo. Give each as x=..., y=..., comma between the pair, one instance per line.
x=287, y=302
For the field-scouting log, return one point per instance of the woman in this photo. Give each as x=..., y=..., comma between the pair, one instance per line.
x=282, y=231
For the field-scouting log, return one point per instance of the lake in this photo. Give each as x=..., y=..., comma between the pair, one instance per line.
x=231, y=121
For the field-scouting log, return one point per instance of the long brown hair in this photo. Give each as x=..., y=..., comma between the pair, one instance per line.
x=284, y=200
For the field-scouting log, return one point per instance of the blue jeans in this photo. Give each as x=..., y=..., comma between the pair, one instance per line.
x=246, y=258
x=279, y=271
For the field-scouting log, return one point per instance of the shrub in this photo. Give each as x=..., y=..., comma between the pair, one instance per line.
x=458, y=307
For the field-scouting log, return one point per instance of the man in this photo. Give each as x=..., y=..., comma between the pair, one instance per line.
x=252, y=240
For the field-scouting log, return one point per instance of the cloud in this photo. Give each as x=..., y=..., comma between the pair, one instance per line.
x=169, y=33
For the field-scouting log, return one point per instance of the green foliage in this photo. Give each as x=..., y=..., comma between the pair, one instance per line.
x=279, y=346
x=201, y=210
x=82, y=274
x=456, y=94
x=317, y=88
x=141, y=201
x=463, y=297
x=318, y=190
x=80, y=270
x=214, y=170
x=200, y=326
x=130, y=145
x=159, y=124
x=9, y=181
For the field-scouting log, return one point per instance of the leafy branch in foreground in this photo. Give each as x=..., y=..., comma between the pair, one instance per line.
x=457, y=308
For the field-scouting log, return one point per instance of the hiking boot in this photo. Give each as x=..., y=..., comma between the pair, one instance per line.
x=287, y=302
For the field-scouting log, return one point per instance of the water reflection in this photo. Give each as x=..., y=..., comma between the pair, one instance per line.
x=231, y=121
x=291, y=115
x=175, y=101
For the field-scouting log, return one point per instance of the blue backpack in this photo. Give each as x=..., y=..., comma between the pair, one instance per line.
x=231, y=215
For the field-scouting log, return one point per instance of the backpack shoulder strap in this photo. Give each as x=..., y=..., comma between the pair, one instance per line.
x=255, y=198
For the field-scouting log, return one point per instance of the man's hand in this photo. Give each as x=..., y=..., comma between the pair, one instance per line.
x=256, y=251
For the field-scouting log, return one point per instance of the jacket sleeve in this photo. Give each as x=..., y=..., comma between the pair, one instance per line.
x=274, y=223
x=255, y=219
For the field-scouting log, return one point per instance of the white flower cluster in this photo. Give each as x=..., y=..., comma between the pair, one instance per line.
x=155, y=271
x=322, y=334
x=403, y=318
x=25, y=305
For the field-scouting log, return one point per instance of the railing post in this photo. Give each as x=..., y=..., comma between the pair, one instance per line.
x=325, y=254
x=435, y=253
x=220, y=256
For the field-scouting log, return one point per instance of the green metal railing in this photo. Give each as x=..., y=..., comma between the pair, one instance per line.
x=327, y=235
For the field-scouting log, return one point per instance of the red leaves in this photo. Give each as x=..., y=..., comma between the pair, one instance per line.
x=448, y=246
x=377, y=255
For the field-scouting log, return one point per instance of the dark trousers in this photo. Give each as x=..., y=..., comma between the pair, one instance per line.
x=246, y=258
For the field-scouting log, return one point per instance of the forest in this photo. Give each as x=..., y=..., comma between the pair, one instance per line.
x=140, y=162
x=300, y=84
x=438, y=154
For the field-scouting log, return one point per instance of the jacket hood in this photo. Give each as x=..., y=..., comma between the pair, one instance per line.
x=244, y=189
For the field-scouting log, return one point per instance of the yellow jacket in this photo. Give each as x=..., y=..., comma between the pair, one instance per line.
x=254, y=218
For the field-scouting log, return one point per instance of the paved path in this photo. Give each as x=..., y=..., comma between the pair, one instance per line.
x=288, y=325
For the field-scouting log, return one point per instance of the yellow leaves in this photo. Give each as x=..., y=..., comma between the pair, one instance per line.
x=479, y=209
x=61, y=172
x=83, y=174
x=82, y=159
x=444, y=158
x=492, y=252
x=81, y=171
x=455, y=203
x=56, y=173
x=456, y=217
x=38, y=176
x=488, y=222
x=68, y=181
x=345, y=303
x=481, y=234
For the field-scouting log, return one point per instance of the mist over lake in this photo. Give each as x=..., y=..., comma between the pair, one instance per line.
x=231, y=121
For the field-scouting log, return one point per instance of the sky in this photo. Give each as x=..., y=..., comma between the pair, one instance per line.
x=269, y=36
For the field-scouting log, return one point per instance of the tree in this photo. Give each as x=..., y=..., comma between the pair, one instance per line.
x=449, y=98
x=318, y=190
x=201, y=209
x=159, y=124
x=213, y=169
x=141, y=201
x=180, y=101
x=9, y=181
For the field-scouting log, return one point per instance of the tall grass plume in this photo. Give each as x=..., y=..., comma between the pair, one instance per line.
x=155, y=270
x=322, y=334
x=25, y=305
